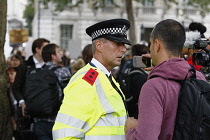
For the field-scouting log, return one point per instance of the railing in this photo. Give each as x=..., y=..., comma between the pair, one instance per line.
x=189, y=11
x=108, y=9
x=149, y=10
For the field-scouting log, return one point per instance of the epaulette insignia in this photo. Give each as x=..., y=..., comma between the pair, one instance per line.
x=90, y=76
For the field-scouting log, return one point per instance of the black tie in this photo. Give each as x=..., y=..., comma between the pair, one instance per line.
x=116, y=88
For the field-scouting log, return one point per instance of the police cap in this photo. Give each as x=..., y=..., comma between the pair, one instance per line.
x=114, y=29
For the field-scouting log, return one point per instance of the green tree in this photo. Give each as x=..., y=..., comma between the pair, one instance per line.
x=130, y=16
x=201, y=5
x=5, y=124
x=29, y=15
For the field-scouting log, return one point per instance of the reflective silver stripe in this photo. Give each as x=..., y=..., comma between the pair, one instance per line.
x=115, y=137
x=71, y=121
x=102, y=97
x=129, y=99
x=67, y=132
x=110, y=120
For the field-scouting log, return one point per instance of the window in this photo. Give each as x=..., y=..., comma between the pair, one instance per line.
x=148, y=2
x=188, y=9
x=148, y=7
x=66, y=35
x=185, y=3
x=109, y=7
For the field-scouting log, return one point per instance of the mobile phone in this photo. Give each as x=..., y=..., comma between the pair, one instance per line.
x=141, y=62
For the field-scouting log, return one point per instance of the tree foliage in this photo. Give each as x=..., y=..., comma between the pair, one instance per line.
x=29, y=15
x=61, y=5
x=201, y=5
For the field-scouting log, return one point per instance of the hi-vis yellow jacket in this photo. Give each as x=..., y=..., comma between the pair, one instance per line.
x=91, y=110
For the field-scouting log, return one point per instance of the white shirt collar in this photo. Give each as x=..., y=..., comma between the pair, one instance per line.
x=100, y=66
x=37, y=64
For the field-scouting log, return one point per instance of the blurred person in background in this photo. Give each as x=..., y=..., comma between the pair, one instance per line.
x=87, y=53
x=18, y=122
x=134, y=80
x=11, y=73
x=78, y=64
x=15, y=60
x=194, y=26
x=65, y=58
x=33, y=62
x=18, y=87
x=52, y=57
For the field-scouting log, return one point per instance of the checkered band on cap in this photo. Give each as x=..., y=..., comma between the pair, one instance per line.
x=110, y=31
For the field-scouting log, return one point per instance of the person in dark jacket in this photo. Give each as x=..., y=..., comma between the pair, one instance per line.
x=135, y=79
x=52, y=58
x=34, y=61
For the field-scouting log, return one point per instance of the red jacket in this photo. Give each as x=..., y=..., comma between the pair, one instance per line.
x=197, y=67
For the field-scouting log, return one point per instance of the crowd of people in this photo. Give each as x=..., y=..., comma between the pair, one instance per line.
x=102, y=95
x=45, y=54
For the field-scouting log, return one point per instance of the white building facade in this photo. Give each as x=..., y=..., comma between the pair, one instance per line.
x=15, y=20
x=67, y=28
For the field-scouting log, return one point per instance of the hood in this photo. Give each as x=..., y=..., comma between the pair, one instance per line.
x=176, y=69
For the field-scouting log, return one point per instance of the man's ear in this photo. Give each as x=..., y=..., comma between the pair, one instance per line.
x=159, y=45
x=99, y=45
x=53, y=57
x=37, y=49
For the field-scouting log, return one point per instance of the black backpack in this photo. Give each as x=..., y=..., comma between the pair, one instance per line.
x=193, y=112
x=41, y=92
x=125, y=74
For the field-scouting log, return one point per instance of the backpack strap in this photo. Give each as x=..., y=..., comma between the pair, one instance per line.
x=137, y=71
x=193, y=76
x=53, y=70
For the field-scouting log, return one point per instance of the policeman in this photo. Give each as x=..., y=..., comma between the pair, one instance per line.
x=93, y=106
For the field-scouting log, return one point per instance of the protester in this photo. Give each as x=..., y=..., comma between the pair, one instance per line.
x=92, y=108
x=159, y=95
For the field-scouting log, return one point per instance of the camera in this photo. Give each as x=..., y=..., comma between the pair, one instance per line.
x=201, y=43
x=203, y=56
x=141, y=62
